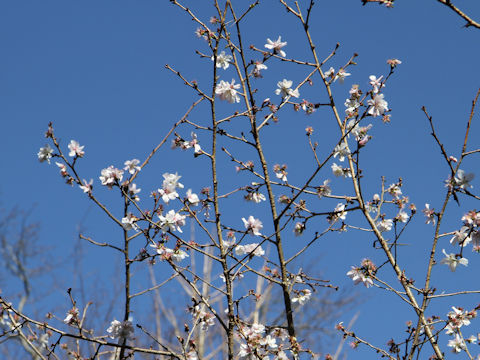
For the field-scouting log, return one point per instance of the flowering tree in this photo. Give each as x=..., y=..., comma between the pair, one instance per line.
x=241, y=266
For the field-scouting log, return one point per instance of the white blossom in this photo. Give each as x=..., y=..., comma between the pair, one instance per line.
x=45, y=153
x=284, y=89
x=276, y=46
x=302, y=297
x=223, y=60
x=249, y=249
x=75, y=149
x=120, y=330
x=228, y=91
x=172, y=221
x=132, y=165
x=253, y=225
x=378, y=105
x=110, y=176
x=462, y=179
x=452, y=261
x=385, y=225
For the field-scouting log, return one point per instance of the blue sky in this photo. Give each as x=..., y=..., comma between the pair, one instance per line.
x=96, y=69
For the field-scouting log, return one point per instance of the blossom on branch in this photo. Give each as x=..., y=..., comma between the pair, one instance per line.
x=284, y=89
x=341, y=150
x=121, y=330
x=276, y=46
x=302, y=297
x=341, y=75
x=110, y=176
x=385, y=225
x=228, y=91
x=75, y=149
x=452, y=260
x=462, y=179
x=249, y=249
x=429, y=214
x=87, y=186
x=457, y=344
x=253, y=225
x=376, y=83
x=223, y=60
x=132, y=165
x=45, y=153
x=172, y=221
x=378, y=105
x=192, y=197
x=133, y=191
x=170, y=184
x=259, y=66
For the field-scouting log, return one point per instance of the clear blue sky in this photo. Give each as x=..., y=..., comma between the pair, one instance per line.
x=96, y=69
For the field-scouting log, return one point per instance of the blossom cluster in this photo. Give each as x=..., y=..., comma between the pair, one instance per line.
x=456, y=319
x=121, y=330
x=255, y=342
x=364, y=273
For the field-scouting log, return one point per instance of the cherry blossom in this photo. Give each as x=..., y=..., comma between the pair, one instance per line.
x=256, y=197
x=280, y=172
x=172, y=221
x=133, y=191
x=339, y=171
x=394, y=190
x=338, y=213
x=192, y=198
x=330, y=72
x=457, y=344
x=129, y=222
x=458, y=317
x=358, y=276
x=385, y=225
x=302, y=297
x=452, y=261
x=351, y=106
x=223, y=60
x=193, y=143
x=72, y=316
x=376, y=83
x=45, y=153
x=324, y=190
x=402, y=216
x=253, y=225
x=110, y=176
x=299, y=228
x=75, y=149
x=132, y=165
x=228, y=91
x=162, y=250
x=87, y=186
x=393, y=62
x=63, y=168
x=259, y=66
x=284, y=89
x=170, y=184
x=463, y=236
x=121, y=330
x=192, y=355
x=204, y=318
x=249, y=249
x=378, y=105
x=341, y=75
x=462, y=179
x=429, y=214
x=341, y=150
x=178, y=255
x=276, y=46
